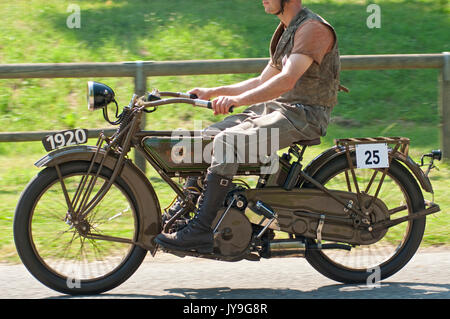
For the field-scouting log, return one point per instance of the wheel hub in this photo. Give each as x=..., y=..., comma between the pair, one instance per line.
x=83, y=227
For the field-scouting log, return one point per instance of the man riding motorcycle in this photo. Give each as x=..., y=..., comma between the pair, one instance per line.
x=294, y=94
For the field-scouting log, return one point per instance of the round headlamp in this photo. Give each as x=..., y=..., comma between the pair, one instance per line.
x=99, y=95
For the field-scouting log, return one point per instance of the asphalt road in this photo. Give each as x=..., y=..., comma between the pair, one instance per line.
x=426, y=276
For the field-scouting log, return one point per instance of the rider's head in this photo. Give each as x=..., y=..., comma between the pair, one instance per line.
x=277, y=7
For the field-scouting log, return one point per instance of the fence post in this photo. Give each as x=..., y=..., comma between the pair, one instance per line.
x=444, y=106
x=140, y=87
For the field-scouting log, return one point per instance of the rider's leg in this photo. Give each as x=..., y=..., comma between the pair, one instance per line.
x=198, y=234
x=305, y=122
x=209, y=132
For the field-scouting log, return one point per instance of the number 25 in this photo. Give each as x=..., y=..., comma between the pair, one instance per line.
x=372, y=157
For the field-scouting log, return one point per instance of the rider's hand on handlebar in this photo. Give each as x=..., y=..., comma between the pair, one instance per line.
x=202, y=93
x=223, y=104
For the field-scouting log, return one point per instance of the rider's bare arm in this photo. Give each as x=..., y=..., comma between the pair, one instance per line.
x=238, y=88
x=271, y=88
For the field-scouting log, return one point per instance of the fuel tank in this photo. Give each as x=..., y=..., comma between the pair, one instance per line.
x=189, y=155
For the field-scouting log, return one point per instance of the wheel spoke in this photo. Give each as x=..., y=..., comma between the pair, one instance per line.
x=66, y=251
x=388, y=190
x=64, y=190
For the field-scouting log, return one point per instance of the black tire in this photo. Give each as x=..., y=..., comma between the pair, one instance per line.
x=34, y=254
x=413, y=231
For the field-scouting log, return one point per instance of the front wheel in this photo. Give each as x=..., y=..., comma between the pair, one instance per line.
x=59, y=252
x=368, y=263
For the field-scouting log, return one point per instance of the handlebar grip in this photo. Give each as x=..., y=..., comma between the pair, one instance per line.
x=209, y=104
x=203, y=103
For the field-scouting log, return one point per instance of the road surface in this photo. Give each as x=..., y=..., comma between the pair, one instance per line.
x=427, y=275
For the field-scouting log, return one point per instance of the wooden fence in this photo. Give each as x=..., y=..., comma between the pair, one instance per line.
x=140, y=70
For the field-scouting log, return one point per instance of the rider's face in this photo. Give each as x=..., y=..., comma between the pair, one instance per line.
x=272, y=6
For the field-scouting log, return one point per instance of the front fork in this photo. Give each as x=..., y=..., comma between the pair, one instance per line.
x=80, y=206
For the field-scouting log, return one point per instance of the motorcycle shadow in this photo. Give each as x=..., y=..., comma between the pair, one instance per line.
x=382, y=290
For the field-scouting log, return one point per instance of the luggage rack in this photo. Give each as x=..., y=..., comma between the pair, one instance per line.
x=401, y=144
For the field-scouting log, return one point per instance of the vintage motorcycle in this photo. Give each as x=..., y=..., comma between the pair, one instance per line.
x=84, y=224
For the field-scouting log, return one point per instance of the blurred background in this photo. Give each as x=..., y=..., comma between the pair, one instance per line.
x=380, y=103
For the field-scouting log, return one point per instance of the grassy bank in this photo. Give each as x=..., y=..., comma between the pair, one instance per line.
x=389, y=102
x=195, y=29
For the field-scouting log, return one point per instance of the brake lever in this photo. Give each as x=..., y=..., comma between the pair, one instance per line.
x=153, y=96
x=434, y=155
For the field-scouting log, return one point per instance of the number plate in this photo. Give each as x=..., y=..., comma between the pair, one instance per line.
x=372, y=155
x=65, y=138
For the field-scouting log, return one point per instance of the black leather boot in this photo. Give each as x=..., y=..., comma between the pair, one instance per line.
x=198, y=234
x=192, y=186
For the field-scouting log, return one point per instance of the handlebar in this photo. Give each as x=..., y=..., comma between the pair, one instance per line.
x=154, y=99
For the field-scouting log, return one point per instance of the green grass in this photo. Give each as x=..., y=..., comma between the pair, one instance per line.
x=388, y=102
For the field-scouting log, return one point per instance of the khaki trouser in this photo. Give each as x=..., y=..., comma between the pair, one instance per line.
x=262, y=129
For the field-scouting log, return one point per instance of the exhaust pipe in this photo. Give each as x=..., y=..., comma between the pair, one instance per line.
x=284, y=248
x=280, y=248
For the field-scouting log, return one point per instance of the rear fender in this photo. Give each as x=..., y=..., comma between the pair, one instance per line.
x=336, y=151
x=148, y=208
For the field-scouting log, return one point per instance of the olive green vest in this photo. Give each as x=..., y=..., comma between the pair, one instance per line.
x=319, y=85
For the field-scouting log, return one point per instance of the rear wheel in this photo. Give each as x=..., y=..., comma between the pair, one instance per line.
x=59, y=250
x=365, y=263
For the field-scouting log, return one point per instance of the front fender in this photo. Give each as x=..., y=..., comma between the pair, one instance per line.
x=148, y=207
x=336, y=151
